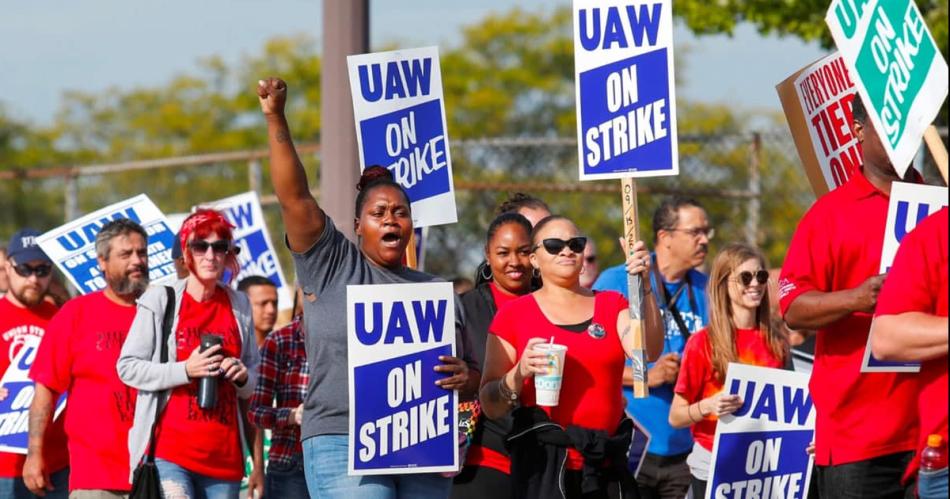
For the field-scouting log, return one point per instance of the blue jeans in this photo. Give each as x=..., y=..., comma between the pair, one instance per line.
x=325, y=463
x=931, y=484
x=286, y=480
x=15, y=488
x=177, y=482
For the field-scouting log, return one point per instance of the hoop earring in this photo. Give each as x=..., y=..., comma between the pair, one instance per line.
x=487, y=277
x=536, y=273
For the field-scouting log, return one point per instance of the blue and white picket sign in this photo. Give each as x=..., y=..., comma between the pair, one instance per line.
x=257, y=256
x=909, y=205
x=72, y=246
x=400, y=124
x=759, y=451
x=626, y=96
x=15, y=408
x=400, y=421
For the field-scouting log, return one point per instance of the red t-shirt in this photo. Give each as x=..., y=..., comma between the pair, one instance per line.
x=590, y=394
x=19, y=328
x=500, y=297
x=837, y=246
x=206, y=442
x=918, y=283
x=78, y=355
x=697, y=379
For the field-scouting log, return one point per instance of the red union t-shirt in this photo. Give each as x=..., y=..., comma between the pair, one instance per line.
x=697, y=379
x=206, y=442
x=78, y=355
x=918, y=282
x=590, y=394
x=837, y=246
x=21, y=327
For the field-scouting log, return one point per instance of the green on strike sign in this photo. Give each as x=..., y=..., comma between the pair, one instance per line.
x=901, y=75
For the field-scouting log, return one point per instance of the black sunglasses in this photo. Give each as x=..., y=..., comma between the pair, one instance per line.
x=554, y=246
x=761, y=276
x=24, y=270
x=218, y=247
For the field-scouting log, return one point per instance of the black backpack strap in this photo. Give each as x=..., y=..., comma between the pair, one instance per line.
x=167, y=320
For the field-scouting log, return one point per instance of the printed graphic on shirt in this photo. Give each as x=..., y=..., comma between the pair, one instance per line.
x=15, y=408
x=187, y=340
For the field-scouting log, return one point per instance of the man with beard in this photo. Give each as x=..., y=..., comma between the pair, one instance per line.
x=24, y=315
x=681, y=233
x=78, y=355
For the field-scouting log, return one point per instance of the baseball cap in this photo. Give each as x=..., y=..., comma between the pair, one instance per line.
x=23, y=247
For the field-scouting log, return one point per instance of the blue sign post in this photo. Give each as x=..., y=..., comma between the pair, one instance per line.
x=400, y=124
x=626, y=102
x=72, y=246
x=400, y=420
x=759, y=451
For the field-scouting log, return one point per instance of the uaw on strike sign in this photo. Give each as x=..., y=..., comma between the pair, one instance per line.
x=15, y=408
x=400, y=420
x=900, y=73
x=759, y=450
x=72, y=247
x=626, y=102
x=257, y=256
x=400, y=124
x=909, y=204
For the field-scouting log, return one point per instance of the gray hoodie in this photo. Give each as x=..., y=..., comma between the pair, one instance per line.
x=140, y=366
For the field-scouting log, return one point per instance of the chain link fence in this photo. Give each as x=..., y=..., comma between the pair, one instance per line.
x=751, y=184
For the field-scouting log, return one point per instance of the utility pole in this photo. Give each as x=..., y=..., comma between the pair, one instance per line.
x=345, y=32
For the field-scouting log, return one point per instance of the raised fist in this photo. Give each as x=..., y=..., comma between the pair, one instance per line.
x=272, y=94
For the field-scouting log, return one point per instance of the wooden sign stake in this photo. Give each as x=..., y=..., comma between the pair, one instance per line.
x=937, y=150
x=631, y=233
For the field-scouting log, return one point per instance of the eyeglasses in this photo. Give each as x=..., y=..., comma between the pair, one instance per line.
x=220, y=247
x=761, y=276
x=709, y=232
x=554, y=246
x=24, y=270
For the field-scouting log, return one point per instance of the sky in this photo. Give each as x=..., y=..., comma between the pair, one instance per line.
x=47, y=48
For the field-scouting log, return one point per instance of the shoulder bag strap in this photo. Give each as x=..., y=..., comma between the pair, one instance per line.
x=166, y=332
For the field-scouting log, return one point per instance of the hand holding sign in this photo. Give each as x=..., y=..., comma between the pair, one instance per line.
x=720, y=404
x=272, y=94
x=458, y=370
x=665, y=370
x=865, y=295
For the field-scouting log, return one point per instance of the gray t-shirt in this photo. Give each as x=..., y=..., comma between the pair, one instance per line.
x=324, y=271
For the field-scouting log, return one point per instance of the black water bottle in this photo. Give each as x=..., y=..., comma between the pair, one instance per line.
x=208, y=386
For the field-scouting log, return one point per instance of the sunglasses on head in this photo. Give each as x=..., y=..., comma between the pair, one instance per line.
x=24, y=270
x=220, y=247
x=761, y=276
x=554, y=246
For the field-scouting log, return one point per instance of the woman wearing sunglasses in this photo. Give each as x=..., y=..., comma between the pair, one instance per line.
x=740, y=331
x=198, y=450
x=549, y=445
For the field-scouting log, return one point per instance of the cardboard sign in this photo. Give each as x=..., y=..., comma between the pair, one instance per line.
x=759, y=451
x=72, y=247
x=15, y=408
x=909, y=205
x=257, y=256
x=400, y=421
x=817, y=101
x=626, y=96
x=899, y=72
x=400, y=124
